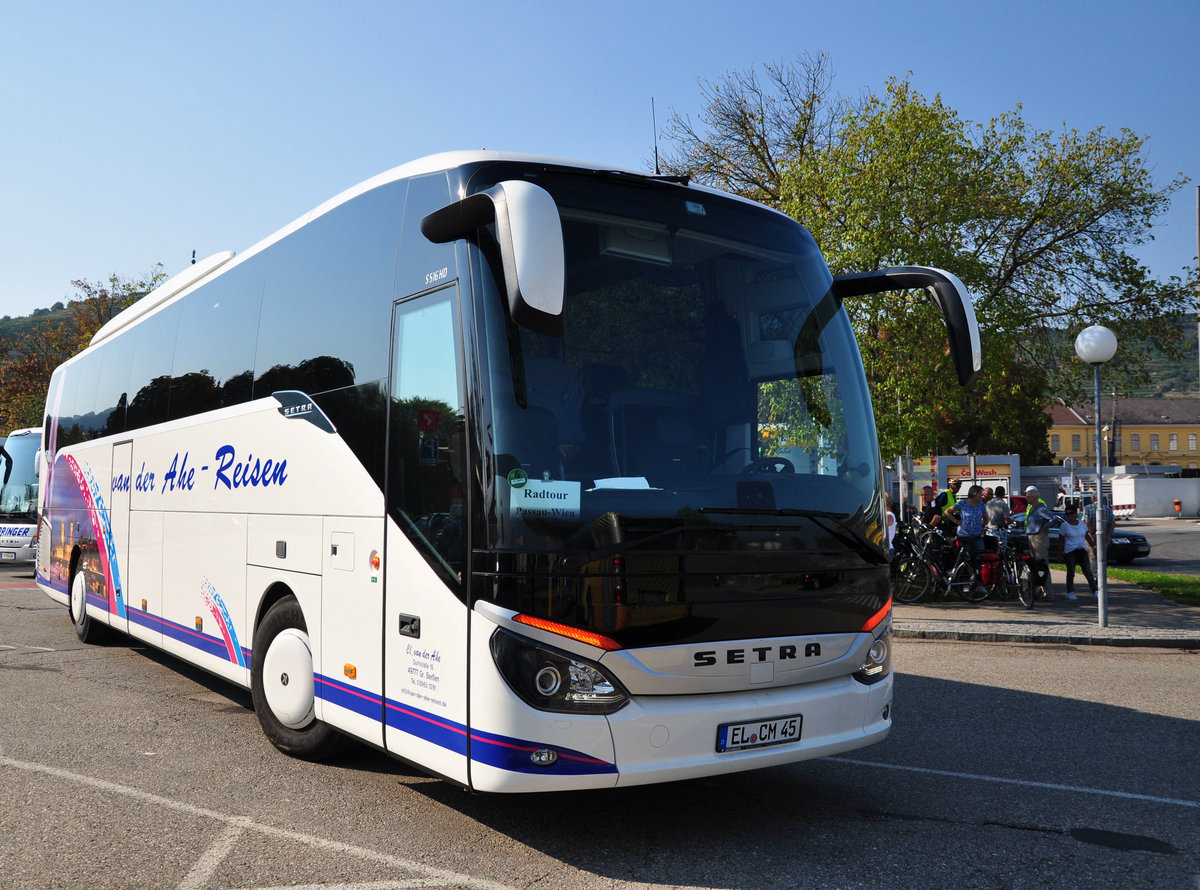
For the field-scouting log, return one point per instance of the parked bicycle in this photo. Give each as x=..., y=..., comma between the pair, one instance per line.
x=1013, y=571
x=931, y=564
x=926, y=563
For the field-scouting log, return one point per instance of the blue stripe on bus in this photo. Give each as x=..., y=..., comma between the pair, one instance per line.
x=502, y=752
x=439, y=731
x=513, y=755
x=214, y=646
x=349, y=697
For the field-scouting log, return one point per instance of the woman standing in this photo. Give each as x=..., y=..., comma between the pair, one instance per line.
x=1074, y=537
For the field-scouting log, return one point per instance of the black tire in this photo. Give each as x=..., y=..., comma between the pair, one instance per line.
x=1006, y=580
x=965, y=581
x=1025, y=589
x=911, y=581
x=88, y=629
x=283, y=687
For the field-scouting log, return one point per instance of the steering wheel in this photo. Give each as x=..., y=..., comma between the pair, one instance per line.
x=765, y=465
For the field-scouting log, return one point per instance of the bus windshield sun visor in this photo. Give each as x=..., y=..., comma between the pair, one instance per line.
x=950, y=295
x=530, y=242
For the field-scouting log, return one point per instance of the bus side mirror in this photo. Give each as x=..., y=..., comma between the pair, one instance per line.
x=37, y=464
x=950, y=295
x=530, y=241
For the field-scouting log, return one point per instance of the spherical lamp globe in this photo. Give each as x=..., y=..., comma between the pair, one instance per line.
x=1096, y=345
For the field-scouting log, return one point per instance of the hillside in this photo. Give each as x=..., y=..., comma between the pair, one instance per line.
x=15, y=327
x=1176, y=378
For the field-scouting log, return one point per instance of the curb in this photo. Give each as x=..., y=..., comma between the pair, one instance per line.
x=1075, y=635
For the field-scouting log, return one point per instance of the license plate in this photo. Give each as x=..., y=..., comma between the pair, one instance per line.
x=758, y=733
x=8, y=556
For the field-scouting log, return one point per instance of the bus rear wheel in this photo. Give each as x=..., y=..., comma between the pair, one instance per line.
x=86, y=628
x=282, y=684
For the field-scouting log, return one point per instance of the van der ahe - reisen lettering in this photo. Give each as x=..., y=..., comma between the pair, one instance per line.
x=229, y=471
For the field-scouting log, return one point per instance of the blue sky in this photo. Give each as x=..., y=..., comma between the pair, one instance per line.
x=136, y=132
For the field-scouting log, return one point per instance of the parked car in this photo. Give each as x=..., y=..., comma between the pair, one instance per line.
x=1124, y=547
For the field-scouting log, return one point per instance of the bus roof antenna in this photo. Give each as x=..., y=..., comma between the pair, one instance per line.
x=654, y=122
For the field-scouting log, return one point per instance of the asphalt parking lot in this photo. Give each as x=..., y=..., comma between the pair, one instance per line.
x=1009, y=765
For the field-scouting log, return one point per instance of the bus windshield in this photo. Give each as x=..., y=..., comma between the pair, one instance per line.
x=706, y=378
x=18, y=483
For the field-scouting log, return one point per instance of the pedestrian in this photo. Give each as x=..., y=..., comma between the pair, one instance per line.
x=947, y=496
x=968, y=515
x=1037, y=531
x=999, y=516
x=929, y=514
x=1074, y=538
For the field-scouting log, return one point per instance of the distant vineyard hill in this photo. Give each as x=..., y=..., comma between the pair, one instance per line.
x=39, y=320
x=1179, y=377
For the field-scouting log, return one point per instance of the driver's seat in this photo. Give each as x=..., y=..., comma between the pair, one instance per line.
x=669, y=453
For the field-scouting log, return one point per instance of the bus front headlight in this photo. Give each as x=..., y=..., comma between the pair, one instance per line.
x=551, y=680
x=878, y=662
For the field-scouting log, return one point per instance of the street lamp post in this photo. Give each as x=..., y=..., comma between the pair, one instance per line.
x=1097, y=345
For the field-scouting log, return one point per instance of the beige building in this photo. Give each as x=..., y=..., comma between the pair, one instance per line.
x=1136, y=432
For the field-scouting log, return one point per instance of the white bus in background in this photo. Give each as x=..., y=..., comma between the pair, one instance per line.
x=19, y=495
x=466, y=463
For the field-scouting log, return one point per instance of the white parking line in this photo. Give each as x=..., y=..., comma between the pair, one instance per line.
x=1052, y=786
x=212, y=857
x=208, y=864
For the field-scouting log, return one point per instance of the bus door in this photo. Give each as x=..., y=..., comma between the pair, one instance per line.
x=425, y=619
x=117, y=537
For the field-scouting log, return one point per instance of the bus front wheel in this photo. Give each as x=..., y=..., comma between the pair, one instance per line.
x=282, y=684
x=86, y=628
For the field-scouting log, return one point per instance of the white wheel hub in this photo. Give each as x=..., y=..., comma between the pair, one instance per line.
x=78, y=598
x=288, y=678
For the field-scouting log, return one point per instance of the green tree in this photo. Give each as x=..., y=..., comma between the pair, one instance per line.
x=1038, y=225
x=30, y=360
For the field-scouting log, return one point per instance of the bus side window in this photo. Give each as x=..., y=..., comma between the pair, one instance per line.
x=342, y=268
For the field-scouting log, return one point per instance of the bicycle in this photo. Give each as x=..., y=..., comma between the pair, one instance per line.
x=924, y=567
x=1013, y=574
x=966, y=576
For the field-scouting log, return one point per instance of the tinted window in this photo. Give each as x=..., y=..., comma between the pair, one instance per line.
x=112, y=389
x=214, y=358
x=360, y=415
x=64, y=385
x=422, y=263
x=328, y=300
x=79, y=417
x=150, y=372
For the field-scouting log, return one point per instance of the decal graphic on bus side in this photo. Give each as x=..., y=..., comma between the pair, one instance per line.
x=93, y=500
x=216, y=605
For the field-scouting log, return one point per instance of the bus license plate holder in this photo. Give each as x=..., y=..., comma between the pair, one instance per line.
x=752, y=734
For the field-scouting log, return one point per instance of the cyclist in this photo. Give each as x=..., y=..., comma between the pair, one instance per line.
x=999, y=516
x=968, y=515
x=1037, y=530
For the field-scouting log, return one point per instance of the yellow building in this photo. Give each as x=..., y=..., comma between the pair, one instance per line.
x=1136, y=432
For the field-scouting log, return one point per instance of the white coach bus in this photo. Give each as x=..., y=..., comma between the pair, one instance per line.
x=468, y=464
x=19, y=495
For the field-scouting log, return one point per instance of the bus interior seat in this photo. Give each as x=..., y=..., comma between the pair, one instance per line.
x=653, y=434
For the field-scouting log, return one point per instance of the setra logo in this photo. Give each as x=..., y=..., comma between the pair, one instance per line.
x=785, y=652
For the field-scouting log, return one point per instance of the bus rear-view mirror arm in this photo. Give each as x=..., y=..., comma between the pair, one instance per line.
x=529, y=236
x=950, y=295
